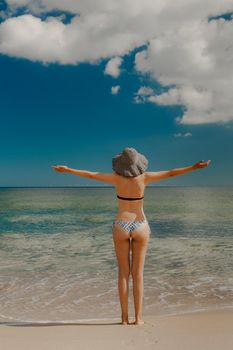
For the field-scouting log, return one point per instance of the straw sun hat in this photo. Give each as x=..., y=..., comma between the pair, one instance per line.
x=129, y=163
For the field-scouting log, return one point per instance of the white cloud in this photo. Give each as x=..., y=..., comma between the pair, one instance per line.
x=145, y=90
x=143, y=93
x=139, y=99
x=188, y=55
x=197, y=60
x=115, y=89
x=99, y=29
x=113, y=67
x=185, y=134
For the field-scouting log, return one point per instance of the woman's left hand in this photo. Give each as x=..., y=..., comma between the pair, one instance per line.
x=201, y=164
x=60, y=168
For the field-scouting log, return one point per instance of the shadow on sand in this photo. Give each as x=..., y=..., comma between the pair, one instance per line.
x=52, y=324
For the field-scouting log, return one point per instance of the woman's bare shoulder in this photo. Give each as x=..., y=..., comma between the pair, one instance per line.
x=151, y=176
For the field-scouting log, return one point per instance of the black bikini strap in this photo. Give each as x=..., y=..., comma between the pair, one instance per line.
x=129, y=199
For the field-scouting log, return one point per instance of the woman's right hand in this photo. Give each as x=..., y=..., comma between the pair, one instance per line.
x=60, y=168
x=201, y=164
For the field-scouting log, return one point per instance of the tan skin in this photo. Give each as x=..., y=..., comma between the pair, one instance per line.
x=133, y=187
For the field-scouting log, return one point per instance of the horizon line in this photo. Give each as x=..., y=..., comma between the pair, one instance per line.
x=114, y=186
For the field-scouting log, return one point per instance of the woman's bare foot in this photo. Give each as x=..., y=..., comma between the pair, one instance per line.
x=138, y=322
x=125, y=322
x=125, y=319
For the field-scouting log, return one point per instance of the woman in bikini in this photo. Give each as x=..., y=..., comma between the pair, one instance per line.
x=130, y=179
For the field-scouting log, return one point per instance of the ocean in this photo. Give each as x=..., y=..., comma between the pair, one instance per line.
x=58, y=264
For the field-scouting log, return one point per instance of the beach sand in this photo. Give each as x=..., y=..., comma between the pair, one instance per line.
x=205, y=330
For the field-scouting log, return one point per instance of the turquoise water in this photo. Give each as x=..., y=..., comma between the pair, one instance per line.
x=57, y=259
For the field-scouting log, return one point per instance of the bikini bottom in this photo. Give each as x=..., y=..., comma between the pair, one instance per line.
x=129, y=226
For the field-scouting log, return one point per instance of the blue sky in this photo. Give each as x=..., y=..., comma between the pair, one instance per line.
x=66, y=114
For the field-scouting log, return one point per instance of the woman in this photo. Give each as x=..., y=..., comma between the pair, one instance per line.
x=130, y=179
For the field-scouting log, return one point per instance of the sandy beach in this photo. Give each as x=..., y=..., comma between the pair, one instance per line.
x=206, y=330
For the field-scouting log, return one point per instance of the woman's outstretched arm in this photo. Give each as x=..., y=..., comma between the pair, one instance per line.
x=161, y=175
x=105, y=177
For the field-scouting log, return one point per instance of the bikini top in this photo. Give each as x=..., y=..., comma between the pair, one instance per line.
x=129, y=199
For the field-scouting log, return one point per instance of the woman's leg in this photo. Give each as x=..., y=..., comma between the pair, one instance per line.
x=122, y=248
x=140, y=239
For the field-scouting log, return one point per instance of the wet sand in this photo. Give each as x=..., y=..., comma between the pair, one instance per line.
x=205, y=330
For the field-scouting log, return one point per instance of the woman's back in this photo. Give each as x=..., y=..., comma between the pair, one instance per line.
x=130, y=187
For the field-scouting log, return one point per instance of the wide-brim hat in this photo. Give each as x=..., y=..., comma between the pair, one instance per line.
x=129, y=163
